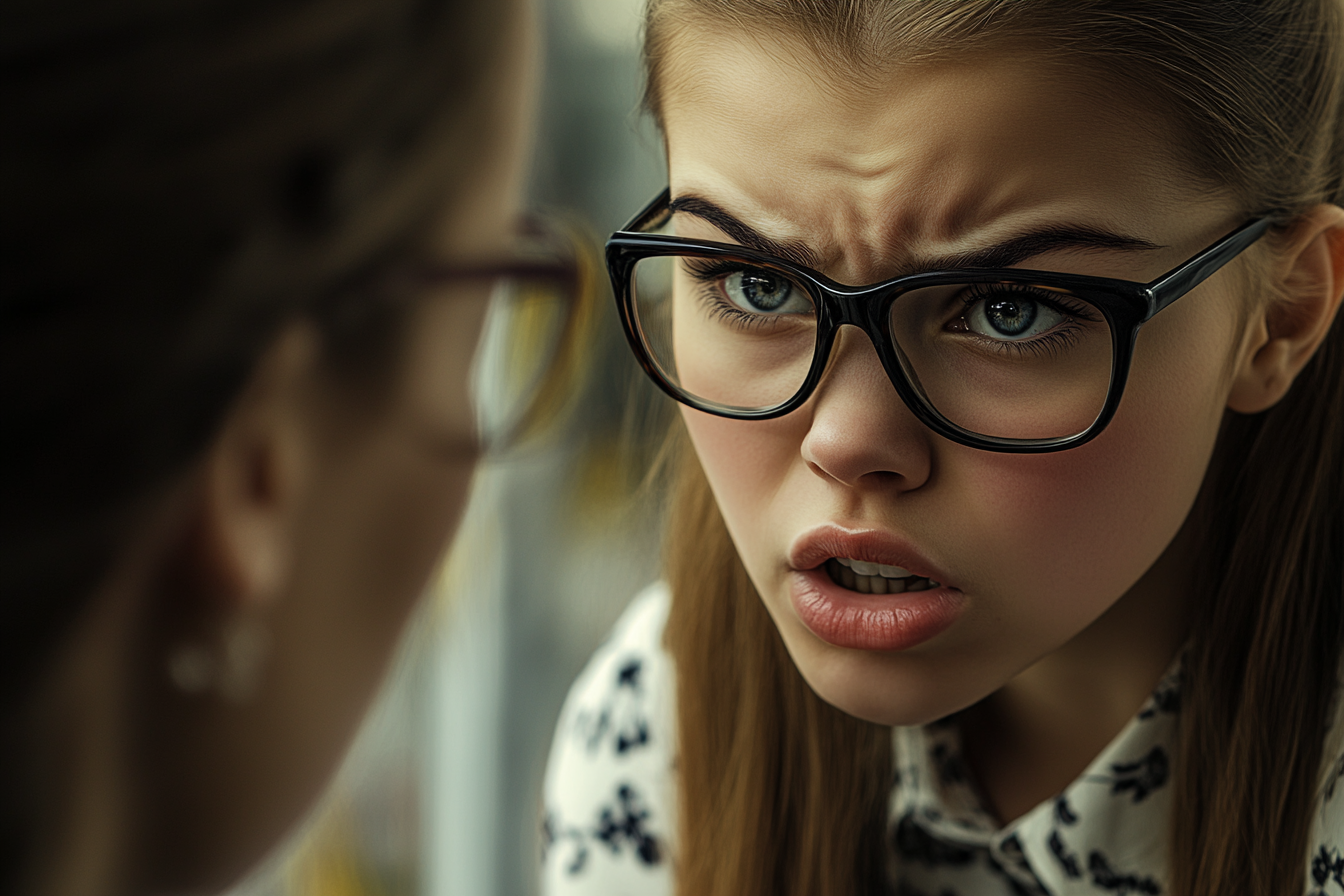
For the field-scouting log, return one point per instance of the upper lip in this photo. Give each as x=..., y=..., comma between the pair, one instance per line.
x=820, y=543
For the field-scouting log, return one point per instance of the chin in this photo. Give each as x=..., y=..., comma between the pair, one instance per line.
x=894, y=689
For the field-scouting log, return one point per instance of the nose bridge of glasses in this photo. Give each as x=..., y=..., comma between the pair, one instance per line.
x=852, y=341
x=859, y=306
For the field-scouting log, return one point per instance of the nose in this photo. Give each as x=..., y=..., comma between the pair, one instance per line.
x=861, y=434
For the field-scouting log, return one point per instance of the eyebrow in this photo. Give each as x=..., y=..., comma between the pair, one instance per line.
x=1014, y=250
x=792, y=250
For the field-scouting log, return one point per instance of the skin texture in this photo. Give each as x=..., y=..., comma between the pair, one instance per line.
x=315, y=520
x=1073, y=567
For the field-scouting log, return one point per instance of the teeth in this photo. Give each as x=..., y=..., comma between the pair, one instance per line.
x=854, y=575
x=864, y=568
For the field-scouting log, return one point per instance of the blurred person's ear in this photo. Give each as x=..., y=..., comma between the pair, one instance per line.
x=253, y=478
x=237, y=550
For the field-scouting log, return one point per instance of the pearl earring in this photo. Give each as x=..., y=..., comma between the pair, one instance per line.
x=233, y=671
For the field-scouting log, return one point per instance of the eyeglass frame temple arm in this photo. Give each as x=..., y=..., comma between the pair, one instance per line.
x=1177, y=282
x=658, y=207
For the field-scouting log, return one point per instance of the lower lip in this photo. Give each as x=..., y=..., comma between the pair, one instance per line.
x=857, y=621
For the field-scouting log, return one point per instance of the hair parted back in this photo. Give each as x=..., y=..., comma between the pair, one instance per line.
x=781, y=793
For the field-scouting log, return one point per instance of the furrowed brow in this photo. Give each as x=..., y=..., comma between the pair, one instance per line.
x=1037, y=242
x=748, y=236
x=1002, y=255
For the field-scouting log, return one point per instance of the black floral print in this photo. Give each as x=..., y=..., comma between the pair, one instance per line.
x=1327, y=868
x=915, y=844
x=951, y=768
x=1012, y=866
x=1106, y=878
x=608, y=783
x=1068, y=860
x=1166, y=698
x=619, y=720
x=553, y=832
x=623, y=825
x=620, y=827
x=1064, y=813
x=1142, y=776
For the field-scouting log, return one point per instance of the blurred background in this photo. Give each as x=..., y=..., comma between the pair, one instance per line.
x=441, y=793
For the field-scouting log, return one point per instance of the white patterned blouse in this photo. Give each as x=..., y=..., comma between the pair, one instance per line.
x=610, y=797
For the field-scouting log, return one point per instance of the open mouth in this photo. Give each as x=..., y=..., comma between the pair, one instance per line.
x=875, y=578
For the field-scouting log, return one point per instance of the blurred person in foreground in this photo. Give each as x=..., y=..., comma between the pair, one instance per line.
x=249, y=250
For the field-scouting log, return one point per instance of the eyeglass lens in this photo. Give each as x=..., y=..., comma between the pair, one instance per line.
x=523, y=336
x=1000, y=359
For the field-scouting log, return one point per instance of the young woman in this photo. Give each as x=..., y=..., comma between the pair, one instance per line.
x=1006, y=554
x=248, y=252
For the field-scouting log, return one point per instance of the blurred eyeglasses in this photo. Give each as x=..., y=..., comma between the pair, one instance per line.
x=527, y=359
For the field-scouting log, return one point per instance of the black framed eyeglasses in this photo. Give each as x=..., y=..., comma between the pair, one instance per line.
x=1004, y=360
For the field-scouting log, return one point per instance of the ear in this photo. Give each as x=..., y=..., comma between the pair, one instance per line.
x=253, y=478
x=1284, y=333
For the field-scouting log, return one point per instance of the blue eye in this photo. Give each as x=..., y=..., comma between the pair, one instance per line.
x=758, y=290
x=1011, y=316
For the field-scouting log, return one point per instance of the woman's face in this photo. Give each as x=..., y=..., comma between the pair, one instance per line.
x=928, y=162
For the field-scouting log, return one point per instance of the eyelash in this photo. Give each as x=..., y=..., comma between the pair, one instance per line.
x=1046, y=344
x=708, y=273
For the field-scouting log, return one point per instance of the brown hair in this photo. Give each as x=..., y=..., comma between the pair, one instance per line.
x=781, y=793
x=177, y=182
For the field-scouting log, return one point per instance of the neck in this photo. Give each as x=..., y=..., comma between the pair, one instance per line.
x=1031, y=738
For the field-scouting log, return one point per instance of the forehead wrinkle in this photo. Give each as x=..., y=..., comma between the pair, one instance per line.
x=892, y=201
x=887, y=234
x=870, y=210
x=904, y=205
x=946, y=211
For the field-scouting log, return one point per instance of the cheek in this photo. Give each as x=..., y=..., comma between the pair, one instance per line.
x=394, y=499
x=1085, y=522
x=1094, y=519
x=747, y=464
x=370, y=553
x=403, y=488
x=404, y=521
x=387, y=499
